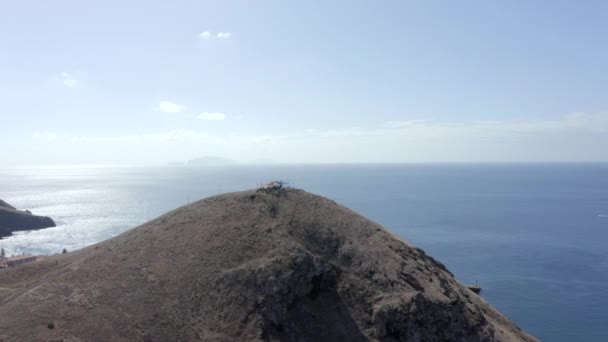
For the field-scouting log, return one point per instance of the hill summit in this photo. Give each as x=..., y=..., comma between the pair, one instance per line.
x=266, y=265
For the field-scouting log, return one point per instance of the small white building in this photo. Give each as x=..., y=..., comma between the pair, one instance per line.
x=20, y=259
x=273, y=185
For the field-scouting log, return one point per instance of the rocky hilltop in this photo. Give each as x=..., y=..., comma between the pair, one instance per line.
x=12, y=220
x=273, y=265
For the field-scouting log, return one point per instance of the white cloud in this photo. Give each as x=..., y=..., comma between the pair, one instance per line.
x=573, y=137
x=170, y=107
x=45, y=136
x=67, y=79
x=401, y=124
x=420, y=130
x=178, y=134
x=574, y=122
x=110, y=139
x=211, y=116
x=219, y=35
x=175, y=135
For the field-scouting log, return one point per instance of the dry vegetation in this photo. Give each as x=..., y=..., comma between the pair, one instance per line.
x=257, y=265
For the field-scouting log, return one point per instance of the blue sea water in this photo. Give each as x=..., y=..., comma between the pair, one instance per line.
x=534, y=236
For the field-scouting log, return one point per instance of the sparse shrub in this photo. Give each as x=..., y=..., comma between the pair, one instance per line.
x=273, y=210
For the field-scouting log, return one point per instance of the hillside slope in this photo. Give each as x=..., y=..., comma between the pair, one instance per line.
x=247, y=266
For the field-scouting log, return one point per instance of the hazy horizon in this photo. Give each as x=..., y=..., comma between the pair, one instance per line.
x=295, y=164
x=144, y=83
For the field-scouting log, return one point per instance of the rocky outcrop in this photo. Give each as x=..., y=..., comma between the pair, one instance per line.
x=273, y=265
x=12, y=220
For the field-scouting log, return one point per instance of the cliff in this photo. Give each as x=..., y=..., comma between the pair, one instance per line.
x=280, y=265
x=12, y=220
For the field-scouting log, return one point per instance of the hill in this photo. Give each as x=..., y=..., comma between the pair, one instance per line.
x=280, y=265
x=12, y=220
x=5, y=205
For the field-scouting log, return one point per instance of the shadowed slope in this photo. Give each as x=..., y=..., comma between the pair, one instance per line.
x=278, y=265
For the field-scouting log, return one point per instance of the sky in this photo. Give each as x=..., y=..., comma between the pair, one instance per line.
x=152, y=82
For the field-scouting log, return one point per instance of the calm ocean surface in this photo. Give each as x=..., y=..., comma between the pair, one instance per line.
x=534, y=236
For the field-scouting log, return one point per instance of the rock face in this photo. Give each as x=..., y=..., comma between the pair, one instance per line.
x=277, y=265
x=12, y=220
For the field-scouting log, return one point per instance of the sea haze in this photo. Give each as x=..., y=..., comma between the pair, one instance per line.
x=532, y=235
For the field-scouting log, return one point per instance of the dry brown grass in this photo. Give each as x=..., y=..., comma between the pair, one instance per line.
x=256, y=265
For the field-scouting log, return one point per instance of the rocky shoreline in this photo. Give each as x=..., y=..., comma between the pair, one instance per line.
x=12, y=220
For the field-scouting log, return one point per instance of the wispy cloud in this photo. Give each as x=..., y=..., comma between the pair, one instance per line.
x=44, y=136
x=207, y=35
x=211, y=116
x=402, y=123
x=67, y=79
x=174, y=135
x=109, y=139
x=170, y=107
x=574, y=137
x=179, y=134
x=408, y=129
x=574, y=122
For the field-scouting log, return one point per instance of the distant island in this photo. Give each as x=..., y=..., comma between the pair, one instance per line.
x=12, y=220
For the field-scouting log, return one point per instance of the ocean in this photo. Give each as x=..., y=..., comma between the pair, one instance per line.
x=533, y=236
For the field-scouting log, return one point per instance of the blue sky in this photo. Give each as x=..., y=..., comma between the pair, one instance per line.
x=144, y=82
